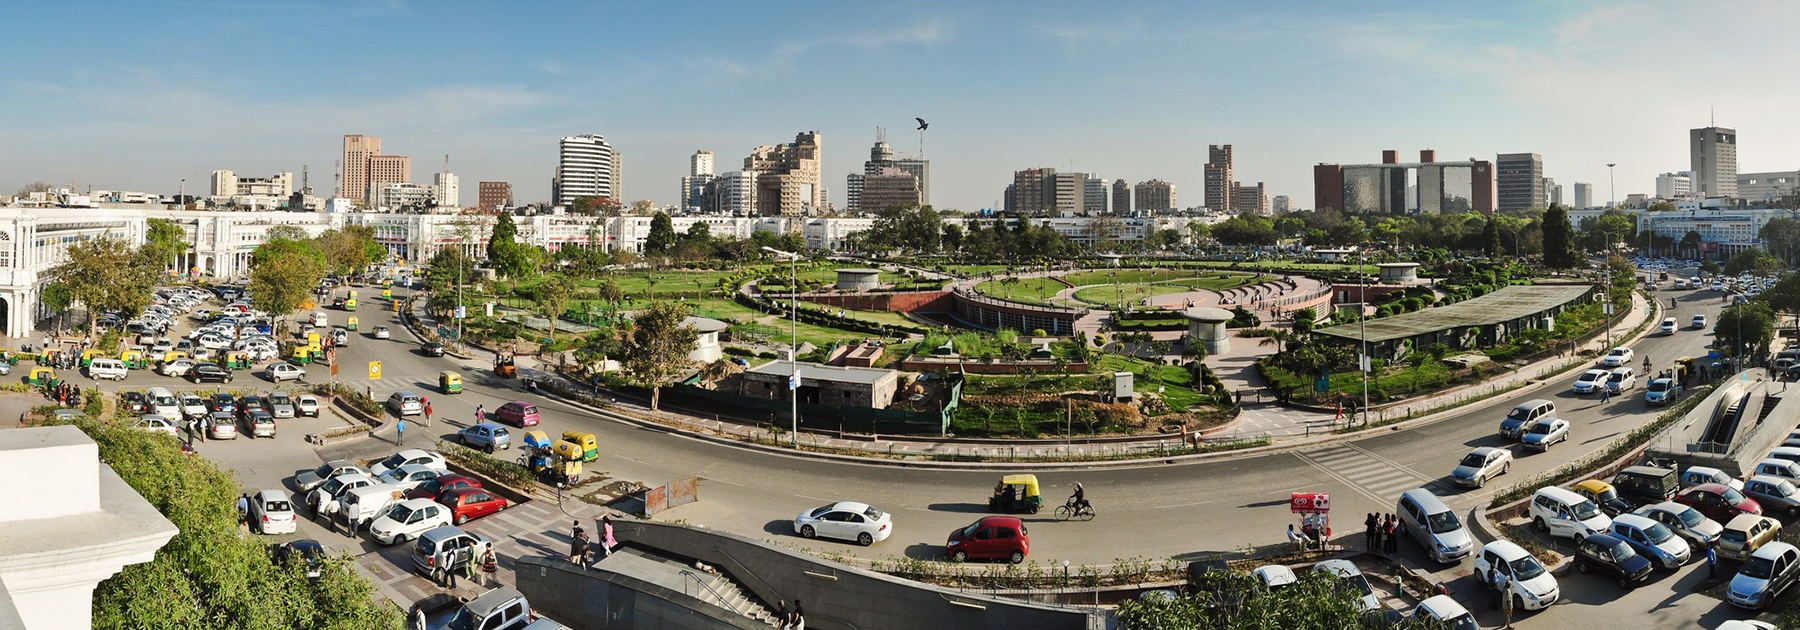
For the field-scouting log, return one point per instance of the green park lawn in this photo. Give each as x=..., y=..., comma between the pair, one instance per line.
x=1104, y=295
x=1028, y=290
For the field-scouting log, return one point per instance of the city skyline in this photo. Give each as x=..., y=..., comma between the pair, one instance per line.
x=140, y=110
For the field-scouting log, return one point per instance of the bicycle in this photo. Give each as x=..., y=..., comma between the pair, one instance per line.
x=1068, y=511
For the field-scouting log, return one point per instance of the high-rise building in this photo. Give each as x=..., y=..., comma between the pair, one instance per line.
x=358, y=149
x=1553, y=192
x=1443, y=187
x=1766, y=188
x=1121, y=197
x=1584, y=195
x=1249, y=199
x=1155, y=196
x=701, y=163
x=1712, y=156
x=882, y=156
x=446, y=187
x=388, y=169
x=1028, y=191
x=1281, y=204
x=891, y=187
x=585, y=167
x=1093, y=195
x=618, y=176
x=853, y=187
x=1218, y=177
x=1520, y=180
x=1674, y=186
x=228, y=184
x=1067, y=193
x=696, y=184
x=788, y=176
x=494, y=195
x=735, y=193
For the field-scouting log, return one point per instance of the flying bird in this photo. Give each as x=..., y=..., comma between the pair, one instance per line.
x=922, y=123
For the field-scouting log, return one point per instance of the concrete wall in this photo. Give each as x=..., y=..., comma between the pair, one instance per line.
x=598, y=599
x=838, y=596
x=928, y=301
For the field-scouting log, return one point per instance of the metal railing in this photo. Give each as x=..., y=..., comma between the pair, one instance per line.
x=723, y=601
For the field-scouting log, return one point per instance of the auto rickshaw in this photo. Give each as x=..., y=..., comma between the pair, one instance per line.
x=41, y=377
x=387, y=294
x=505, y=367
x=88, y=356
x=450, y=382
x=173, y=355
x=302, y=355
x=1684, y=370
x=49, y=356
x=1603, y=495
x=235, y=360
x=312, y=339
x=8, y=357
x=590, y=445
x=558, y=462
x=1016, y=493
x=133, y=359
x=351, y=326
x=350, y=304
x=396, y=305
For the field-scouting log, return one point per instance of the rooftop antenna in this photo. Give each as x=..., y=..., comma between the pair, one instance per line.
x=446, y=162
x=305, y=180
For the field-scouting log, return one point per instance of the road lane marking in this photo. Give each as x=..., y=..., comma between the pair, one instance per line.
x=1160, y=507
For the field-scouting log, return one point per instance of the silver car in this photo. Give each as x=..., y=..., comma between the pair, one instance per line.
x=279, y=405
x=307, y=405
x=1480, y=465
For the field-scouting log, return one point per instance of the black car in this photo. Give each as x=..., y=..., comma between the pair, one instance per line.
x=1610, y=555
x=307, y=553
x=249, y=405
x=208, y=372
x=222, y=403
x=432, y=349
x=136, y=402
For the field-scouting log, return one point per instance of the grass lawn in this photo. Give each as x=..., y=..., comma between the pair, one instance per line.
x=975, y=270
x=1029, y=290
x=880, y=317
x=1104, y=295
x=816, y=335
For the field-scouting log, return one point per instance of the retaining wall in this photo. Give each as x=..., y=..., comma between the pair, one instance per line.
x=601, y=599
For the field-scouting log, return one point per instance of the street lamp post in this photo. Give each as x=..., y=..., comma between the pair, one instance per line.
x=1612, y=185
x=794, y=338
x=1364, y=364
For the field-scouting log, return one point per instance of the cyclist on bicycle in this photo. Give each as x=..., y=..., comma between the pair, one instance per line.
x=1078, y=501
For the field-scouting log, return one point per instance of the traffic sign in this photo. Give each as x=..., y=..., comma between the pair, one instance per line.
x=374, y=370
x=334, y=370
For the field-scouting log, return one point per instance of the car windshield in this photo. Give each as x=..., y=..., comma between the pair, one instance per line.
x=818, y=512
x=1622, y=551
x=1690, y=518
x=1658, y=533
x=394, y=461
x=331, y=487
x=1443, y=522
x=969, y=532
x=1731, y=495
x=1760, y=568
x=1585, y=510
x=1526, y=568
x=1518, y=413
x=1658, y=386
x=399, y=514
x=1592, y=376
x=1785, y=488
x=323, y=471
x=873, y=514
x=279, y=399
x=464, y=620
x=1607, y=495
x=1355, y=584
x=1474, y=460
x=1465, y=621
x=1541, y=428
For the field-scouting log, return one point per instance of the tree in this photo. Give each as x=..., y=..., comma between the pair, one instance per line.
x=1303, y=320
x=595, y=206
x=662, y=234
x=57, y=297
x=209, y=575
x=166, y=240
x=552, y=299
x=350, y=249
x=1490, y=238
x=106, y=275
x=1246, y=229
x=1559, y=239
x=660, y=343
x=642, y=207
x=1690, y=243
x=289, y=232
x=1781, y=235
x=953, y=237
x=1753, y=261
x=907, y=228
x=1315, y=601
x=1784, y=297
x=284, y=280
x=33, y=187
x=1745, y=330
x=509, y=258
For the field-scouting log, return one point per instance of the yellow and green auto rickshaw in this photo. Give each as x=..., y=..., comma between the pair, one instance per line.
x=41, y=376
x=350, y=304
x=301, y=356
x=236, y=361
x=590, y=445
x=133, y=359
x=173, y=355
x=387, y=294
x=351, y=325
x=450, y=382
x=1016, y=493
x=88, y=356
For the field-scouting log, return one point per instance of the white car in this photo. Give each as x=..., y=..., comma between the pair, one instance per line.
x=1699, y=321
x=1591, y=381
x=192, y=405
x=409, y=476
x=1445, y=612
x=1668, y=326
x=284, y=371
x=1617, y=357
x=421, y=457
x=1274, y=577
x=178, y=367
x=212, y=341
x=406, y=403
x=306, y=405
x=272, y=513
x=1621, y=379
x=1546, y=431
x=155, y=423
x=381, y=332
x=407, y=519
x=336, y=487
x=1533, y=588
x=1352, y=580
x=846, y=520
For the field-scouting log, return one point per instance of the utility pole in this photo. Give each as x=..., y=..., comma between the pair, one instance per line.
x=1612, y=184
x=794, y=339
x=1362, y=329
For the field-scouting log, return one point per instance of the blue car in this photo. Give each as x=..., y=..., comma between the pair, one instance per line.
x=1609, y=555
x=486, y=436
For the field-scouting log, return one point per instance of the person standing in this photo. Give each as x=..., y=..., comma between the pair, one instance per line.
x=578, y=547
x=1369, y=531
x=1506, y=600
x=1392, y=542
x=472, y=568
x=449, y=564
x=489, y=564
x=400, y=430
x=1712, y=562
x=243, y=509
x=607, y=542
x=427, y=413
x=480, y=414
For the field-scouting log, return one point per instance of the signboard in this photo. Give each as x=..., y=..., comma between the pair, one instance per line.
x=446, y=332
x=374, y=370
x=461, y=312
x=334, y=370
x=1310, y=503
x=674, y=493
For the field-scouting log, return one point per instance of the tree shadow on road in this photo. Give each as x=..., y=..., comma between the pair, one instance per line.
x=961, y=508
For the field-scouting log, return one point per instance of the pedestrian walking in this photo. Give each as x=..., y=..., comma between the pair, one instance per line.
x=607, y=542
x=797, y=621
x=787, y=612
x=489, y=564
x=1712, y=562
x=428, y=413
x=578, y=547
x=472, y=568
x=400, y=430
x=1605, y=395
x=1506, y=600
x=480, y=414
x=418, y=617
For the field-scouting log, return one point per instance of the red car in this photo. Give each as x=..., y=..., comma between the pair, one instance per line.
x=431, y=489
x=470, y=503
x=990, y=537
x=1718, y=501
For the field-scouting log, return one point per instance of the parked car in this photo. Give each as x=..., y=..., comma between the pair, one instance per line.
x=1774, y=494
x=487, y=436
x=1591, y=381
x=1645, y=485
x=259, y=423
x=1718, y=501
x=1480, y=465
x=452, y=481
x=306, y=405
x=408, y=476
x=1652, y=540
x=517, y=413
x=209, y=373
x=1545, y=432
x=1351, y=580
x=428, y=552
x=177, y=367
x=845, y=520
x=1609, y=555
x=1564, y=513
x=1618, y=357
x=156, y=423
x=467, y=504
x=406, y=403
x=135, y=402
x=1434, y=526
x=407, y=520
x=1685, y=521
x=192, y=405
x=272, y=513
x=221, y=426
x=1532, y=586
x=305, y=552
x=1768, y=572
x=283, y=371
x=1745, y=534
x=421, y=457
x=336, y=487
x=1442, y=611
x=502, y=608
x=1604, y=495
x=990, y=537
x=1274, y=577
x=311, y=479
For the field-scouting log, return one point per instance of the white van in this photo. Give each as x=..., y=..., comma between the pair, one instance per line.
x=107, y=368
x=1434, y=526
x=1561, y=512
x=163, y=403
x=318, y=320
x=369, y=502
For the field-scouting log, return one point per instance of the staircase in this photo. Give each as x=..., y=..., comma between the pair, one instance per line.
x=714, y=588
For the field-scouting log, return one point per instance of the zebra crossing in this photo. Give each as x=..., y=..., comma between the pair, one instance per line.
x=1376, y=477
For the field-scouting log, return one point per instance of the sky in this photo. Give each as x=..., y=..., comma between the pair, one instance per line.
x=139, y=95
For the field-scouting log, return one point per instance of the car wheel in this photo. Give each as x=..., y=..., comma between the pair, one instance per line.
x=462, y=518
x=865, y=539
x=1581, y=566
x=400, y=539
x=1481, y=482
x=1017, y=557
x=1625, y=583
x=1506, y=468
x=806, y=531
x=959, y=556
x=1539, y=524
x=1518, y=603
x=1578, y=538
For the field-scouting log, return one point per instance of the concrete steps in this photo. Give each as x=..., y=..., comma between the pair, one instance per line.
x=707, y=586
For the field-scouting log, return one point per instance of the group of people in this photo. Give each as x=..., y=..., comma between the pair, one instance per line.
x=585, y=552
x=1378, y=533
x=480, y=569
x=64, y=393
x=791, y=616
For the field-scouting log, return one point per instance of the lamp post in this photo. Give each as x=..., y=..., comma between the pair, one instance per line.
x=794, y=339
x=1362, y=305
x=1612, y=185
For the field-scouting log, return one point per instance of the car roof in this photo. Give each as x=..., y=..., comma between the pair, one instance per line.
x=1483, y=450
x=1011, y=521
x=1604, y=538
x=1768, y=479
x=414, y=452
x=1338, y=566
x=413, y=468
x=1634, y=520
x=416, y=503
x=1771, y=549
x=1443, y=607
x=1596, y=372
x=1715, y=488
x=1744, y=521
x=457, y=492
x=1275, y=574
x=1506, y=549
x=270, y=495
x=487, y=602
x=849, y=506
x=490, y=425
x=1561, y=494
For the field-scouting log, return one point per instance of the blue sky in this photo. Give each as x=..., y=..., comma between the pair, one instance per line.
x=132, y=95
